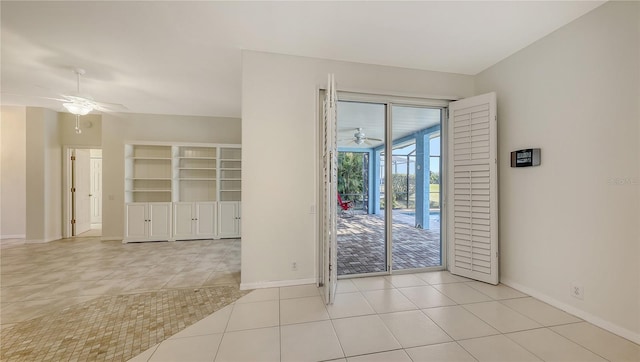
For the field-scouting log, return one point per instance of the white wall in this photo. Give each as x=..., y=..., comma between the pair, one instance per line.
x=53, y=177
x=279, y=138
x=575, y=94
x=44, y=175
x=13, y=173
x=90, y=125
x=118, y=129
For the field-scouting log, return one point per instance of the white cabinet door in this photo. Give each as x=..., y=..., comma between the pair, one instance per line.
x=206, y=219
x=184, y=220
x=159, y=221
x=136, y=222
x=229, y=219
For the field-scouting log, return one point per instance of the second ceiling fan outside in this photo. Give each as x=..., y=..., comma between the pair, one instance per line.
x=359, y=138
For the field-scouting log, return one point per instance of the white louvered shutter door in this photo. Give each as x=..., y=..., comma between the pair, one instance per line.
x=330, y=174
x=472, y=191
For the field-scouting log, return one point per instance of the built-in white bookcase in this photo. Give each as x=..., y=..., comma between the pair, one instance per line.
x=182, y=191
x=148, y=175
x=195, y=173
x=230, y=162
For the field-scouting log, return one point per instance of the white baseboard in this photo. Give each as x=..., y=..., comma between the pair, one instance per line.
x=41, y=241
x=111, y=238
x=595, y=320
x=16, y=236
x=279, y=283
x=11, y=242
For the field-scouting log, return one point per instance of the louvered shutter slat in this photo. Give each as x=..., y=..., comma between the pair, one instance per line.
x=472, y=191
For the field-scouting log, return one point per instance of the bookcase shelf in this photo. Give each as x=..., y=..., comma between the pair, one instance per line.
x=198, y=179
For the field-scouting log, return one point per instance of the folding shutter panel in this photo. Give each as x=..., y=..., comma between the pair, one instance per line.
x=330, y=174
x=472, y=191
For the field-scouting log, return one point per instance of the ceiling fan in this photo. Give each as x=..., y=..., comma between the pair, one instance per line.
x=359, y=138
x=80, y=104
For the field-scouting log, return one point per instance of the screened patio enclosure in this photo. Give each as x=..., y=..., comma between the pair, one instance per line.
x=415, y=197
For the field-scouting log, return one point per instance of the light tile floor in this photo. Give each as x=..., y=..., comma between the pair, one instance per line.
x=74, y=292
x=416, y=317
x=36, y=279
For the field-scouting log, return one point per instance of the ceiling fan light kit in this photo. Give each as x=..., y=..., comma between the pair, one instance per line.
x=79, y=109
x=80, y=106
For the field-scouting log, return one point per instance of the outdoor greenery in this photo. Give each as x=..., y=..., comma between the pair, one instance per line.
x=350, y=174
x=351, y=183
x=434, y=196
x=434, y=178
x=402, y=191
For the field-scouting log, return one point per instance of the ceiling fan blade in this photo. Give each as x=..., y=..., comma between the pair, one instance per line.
x=98, y=106
x=39, y=97
x=111, y=107
x=347, y=141
x=373, y=139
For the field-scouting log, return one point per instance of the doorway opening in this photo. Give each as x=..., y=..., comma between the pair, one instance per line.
x=83, y=192
x=380, y=141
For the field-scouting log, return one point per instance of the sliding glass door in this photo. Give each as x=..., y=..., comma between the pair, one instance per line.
x=388, y=187
x=415, y=231
x=361, y=234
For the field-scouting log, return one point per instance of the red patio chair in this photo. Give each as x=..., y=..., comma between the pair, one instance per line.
x=346, y=207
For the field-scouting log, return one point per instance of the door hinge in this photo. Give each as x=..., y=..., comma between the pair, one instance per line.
x=73, y=158
x=73, y=189
x=73, y=221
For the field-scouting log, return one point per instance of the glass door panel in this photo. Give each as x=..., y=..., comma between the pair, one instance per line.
x=415, y=181
x=361, y=224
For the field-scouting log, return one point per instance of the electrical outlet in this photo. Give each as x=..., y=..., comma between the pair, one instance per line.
x=294, y=266
x=577, y=291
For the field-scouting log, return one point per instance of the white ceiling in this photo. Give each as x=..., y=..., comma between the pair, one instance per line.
x=185, y=57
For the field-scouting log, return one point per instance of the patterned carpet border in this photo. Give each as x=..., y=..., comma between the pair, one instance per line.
x=113, y=328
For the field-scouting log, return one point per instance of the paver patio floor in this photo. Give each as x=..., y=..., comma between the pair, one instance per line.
x=361, y=246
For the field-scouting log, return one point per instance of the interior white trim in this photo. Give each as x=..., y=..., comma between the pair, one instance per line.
x=412, y=100
x=66, y=185
x=178, y=144
x=604, y=324
x=17, y=236
x=279, y=283
x=5, y=243
x=42, y=241
x=111, y=238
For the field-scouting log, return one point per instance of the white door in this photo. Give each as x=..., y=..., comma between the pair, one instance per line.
x=472, y=192
x=206, y=217
x=228, y=219
x=83, y=190
x=184, y=218
x=96, y=192
x=159, y=220
x=330, y=192
x=136, y=221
